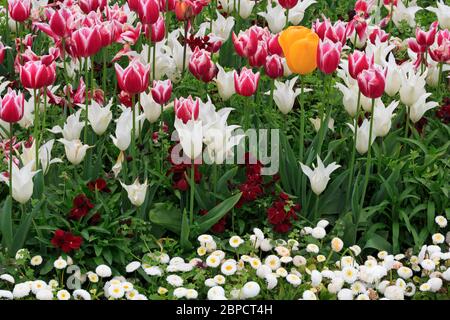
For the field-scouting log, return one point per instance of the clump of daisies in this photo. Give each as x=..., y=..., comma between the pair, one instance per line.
x=316, y=265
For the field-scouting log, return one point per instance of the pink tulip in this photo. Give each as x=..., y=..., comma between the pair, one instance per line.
x=161, y=91
x=357, y=62
x=133, y=5
x=11, y=107
x=59, y=21
x=167, y=4
x=328, y=56
x=426, y=38
x=288, y=4
x=157, y=30
x=337, y=32
x=274, y=66
x=442, y=52
x=246, y=43
x=134, y=78
x=2, y=52
x=186, y=108
x=259, y=57
x=91, y=5
x=273, y=46
x=19, y=10
x=201, y=65
x=246, y=82
x=372, y=82
x=86, y=42
x=148, y=11
x=36, y=74
x=362, y=8
x=107, y=33
x=130, y=34
x=378, y=34
x=321, y=27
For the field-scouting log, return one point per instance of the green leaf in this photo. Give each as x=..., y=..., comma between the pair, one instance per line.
x=205, y=222
x=378, y=242
x=6, y=224
x=431, y=213
x=222, y=186
x=167, y=216
x=185, y=230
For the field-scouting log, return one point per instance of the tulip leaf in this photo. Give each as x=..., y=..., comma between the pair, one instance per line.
x=204, y=223
x=6, y=224
x=185, y=230
x=167, y=216
x=378, y=242
x=222, y=182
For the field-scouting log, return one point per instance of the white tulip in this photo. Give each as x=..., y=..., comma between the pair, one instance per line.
x=72, y=127
x=284, y=94
x=22, y=182
x=75, y=150
x=362, y=139
x=152, y=110
x=191, y=137
x=402, y=13
x=227, y=5
x=379, y=51
x=418, y=108
x=286, y=71
x=222, y=26
x=350, y=98
x=382, y=119
x=245, y=9
x=136, y=192
x=297, y=13
x=393, y=77
x=29, y=155
x=413, y=85
x=443, y=14
x=28, y=114
x=118, y=165
x=320, y=175
x=99, y=117
x=317, y=122
x=275, y=17
x=225, y=83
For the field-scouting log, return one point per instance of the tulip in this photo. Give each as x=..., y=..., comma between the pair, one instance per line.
x=246, y=82
x=379, y=34
x=393, y=77
x=190, y=134
x=123, y=130
x=72, y=127
x=317, y=123
x=275, y=18
x=148, y=11
x=99, y=117
x=152, y=110
x=284, y=95
x=165, y=5
x=19, y=10
x=328, y=56
x=134, y=79
x=413, y=86
x=442, y=52
x=92, y=5
x=426, y=38
x=443, y=14
x=3, y=52
x=184, y=10
x=274, y=66
x=12, y=107
x=246, y=43
x=362, y=137
x=319, y=176
x=371, y=82
x=337, y=33
x=201, y=65
x=136, y=192
x=118, y=165
x=288, y=4
x=36, y=75
x=157, y=30
x=350, y=98
x=86, y=42
x=419, y=107
x=225, y=83
x=45, y=151
x=59, y=22
x=75, y=150
x=222, y=26
x=299, y=46
x=186, y=109
x=161, y=91
x=357, y=62
x=22, y=182
x=273, y=46
x=382, y=120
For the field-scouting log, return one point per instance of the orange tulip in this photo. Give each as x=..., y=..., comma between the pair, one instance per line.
x=299, y=46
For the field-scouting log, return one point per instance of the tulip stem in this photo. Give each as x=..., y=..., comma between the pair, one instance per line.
x=407, y=121
x=154, y=61
x=104, y=71
x=86, y=102
x=191, y=202
x=160, y=137
x=302, y=121
x=441, y=65
x=36, y=127
x=272, y=84
x=287, y=18
x=369, y=157
x=355, y=133
x=133, y=134
x=323, y=126
x=316, y=208
x=11, y=148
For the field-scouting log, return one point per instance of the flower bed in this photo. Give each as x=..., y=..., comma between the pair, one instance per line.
x=221, y=149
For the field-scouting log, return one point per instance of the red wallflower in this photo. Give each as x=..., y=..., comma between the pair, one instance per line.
x=99, y=184
x=443, y=112
x=66, y=241
x=81, y=207
x=179, y=173
x=281, y=212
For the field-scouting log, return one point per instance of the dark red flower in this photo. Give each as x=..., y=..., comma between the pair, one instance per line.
x=443, y=112
x=81, y=207
x=99, y=184
x=66, y=241
x=281, y=213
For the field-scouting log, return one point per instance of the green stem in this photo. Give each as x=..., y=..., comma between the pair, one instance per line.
x=302, y=121
x=272, y=84
x=191, y=202
x=86, y=101
x=369, y=156
x=287, y=18
x=11, y=148
x=154, y=61
x=44, y=118
x=408, y=110
x=316, y=208
x=323, y=125
x=355, y=133
x=186, y=26
x=104, y=71
x=36, y=127
x=133, y=134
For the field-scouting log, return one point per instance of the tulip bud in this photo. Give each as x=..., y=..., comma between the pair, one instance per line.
x=246, y=82
x=2, y=52
x=259, y=57
x=273, y=46
x=75, y=150
x=12, y=107
x=274, y=67
x=134, y=78
x=426, y=38
x=58, y=22
x=225, y=83
x=157, y=30
x=184, y=10
x=187, y=109
x=246, y=43
x=86, y=42
x=328, y=56
x=136, y=192
x=161, y=91
x=19, y=10
x=288, y=4
x=91, y=5
x=22, y=182
x=320, y=175
x=357, y=62
x=35, y=74
x=378, y=34
x=371, y=82
x=201, y=65
x=148, y=11
x=152, y=110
